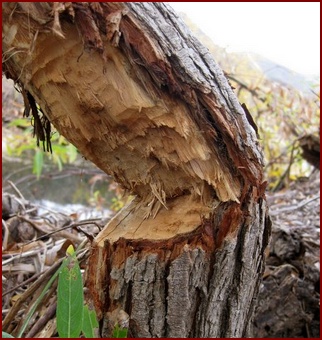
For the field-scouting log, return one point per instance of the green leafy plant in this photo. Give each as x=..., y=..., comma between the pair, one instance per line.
x=73, y=317
x=89, y=323
x=70, y=298
x=23, y=143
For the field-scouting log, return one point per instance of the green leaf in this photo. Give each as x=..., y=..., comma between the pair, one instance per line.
x=89, y=322
x=38, y=163
x=6, y=335
x=119, y=332
x=70, y=250
x=70, y=299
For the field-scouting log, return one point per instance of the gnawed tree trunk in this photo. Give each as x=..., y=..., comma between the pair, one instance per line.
x=141, y=98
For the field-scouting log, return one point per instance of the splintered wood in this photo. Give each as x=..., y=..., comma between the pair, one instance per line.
x=122, y=111
x=181, y=216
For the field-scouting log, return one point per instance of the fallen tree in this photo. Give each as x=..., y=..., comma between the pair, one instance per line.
x=140, y=97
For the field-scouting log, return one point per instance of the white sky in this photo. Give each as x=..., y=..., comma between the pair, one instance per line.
x=285, y=32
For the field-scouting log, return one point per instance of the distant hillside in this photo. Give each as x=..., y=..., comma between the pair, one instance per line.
x=282, y=75
x=251, y=67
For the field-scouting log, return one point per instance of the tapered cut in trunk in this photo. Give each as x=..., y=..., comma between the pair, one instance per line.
x=144, y=100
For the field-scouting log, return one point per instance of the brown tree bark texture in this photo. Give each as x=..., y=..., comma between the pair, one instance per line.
x=140, y=97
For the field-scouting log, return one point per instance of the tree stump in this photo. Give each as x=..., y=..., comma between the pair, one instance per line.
x=178, y=280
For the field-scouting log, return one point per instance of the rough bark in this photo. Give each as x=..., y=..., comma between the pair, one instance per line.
x=192, y=285
x=139, y=96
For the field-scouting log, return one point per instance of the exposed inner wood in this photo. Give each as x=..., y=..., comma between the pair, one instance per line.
x=136, y=129
x=123, y=123
x=182, y=216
